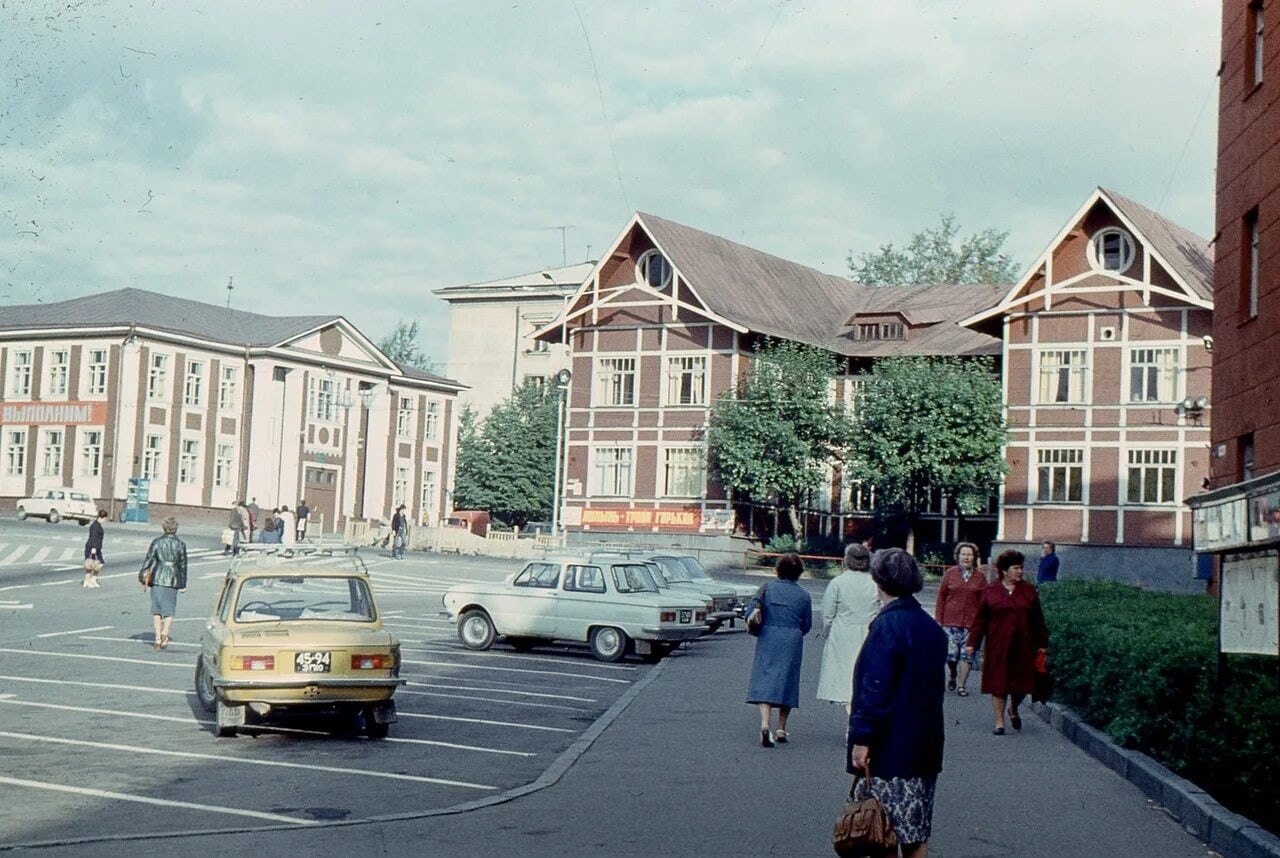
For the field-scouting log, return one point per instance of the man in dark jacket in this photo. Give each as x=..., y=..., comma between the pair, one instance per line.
x=899, y=681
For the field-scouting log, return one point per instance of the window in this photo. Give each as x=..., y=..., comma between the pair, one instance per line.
x=1062, y=376
x=612, y=474
x=157, y=378
x=59, y=366
x=1249, y=265
x=193, y=388
x=854, y=388
x=687, y=381
x=97, y=372
x=538, y=381
x=189, y=461
x=1061, y=476
x=227, y=384
x=654, y=270
x=892, y=331
x=1152, y=476
x=51, y=453
x=584, y=579
x=541, y=575
x=684, y=472
x=862, y=497
x=20, y=379
x=617, y=377
x=1246, y=457
x=323, y=399
x=1111, y=249
x=224, y=465
x=15, y=453
x=1153, y=375
x=152, y=457
x=880, y=331
x=427, y=506
x=1257, y=31
x=404, y=418
x=433, y=420
x=91, y=453
x=400, y=487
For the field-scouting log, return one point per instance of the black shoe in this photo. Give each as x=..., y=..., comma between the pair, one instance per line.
x=1015, y=721
x=766, y=739
x=951, y=685
x=999, y=731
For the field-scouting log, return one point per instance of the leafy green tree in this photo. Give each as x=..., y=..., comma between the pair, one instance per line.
x=771, y=439
x=938, y=255
x=506, y=464
x=403, y=346
x=929, y=423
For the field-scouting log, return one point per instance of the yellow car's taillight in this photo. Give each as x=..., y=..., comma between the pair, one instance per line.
x=253, y=662
x=373, y=661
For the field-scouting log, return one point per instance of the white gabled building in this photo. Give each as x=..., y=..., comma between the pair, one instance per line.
x=212, y=405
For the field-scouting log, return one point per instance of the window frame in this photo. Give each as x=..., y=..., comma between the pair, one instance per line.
x=619, y=468
x=153, y=457
x=696, y=476
x=228, y=385
x=96, y=372
x=1250, y=235
x=1075, y=373
x=1070, y=461
x=404, y=416
x=401, y=482
x=158, y=378
x=224, y=466
x=1096, y=252
x=91, y=452
x=21, y=371
x=1255, y=53
x=49, y=467
x=15, y=452
x=643, y=269
x=1163, y=470
x=690, y=367
x=58, y=372
x=193, y=384
x=432, y=419
x=616, y=384
x=1153, y=374
x=188, y=461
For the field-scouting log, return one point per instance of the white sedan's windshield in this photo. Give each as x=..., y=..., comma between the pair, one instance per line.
x=300, y=597
x=633, y=578
x=694, y=568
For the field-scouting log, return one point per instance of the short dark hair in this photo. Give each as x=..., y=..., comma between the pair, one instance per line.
x=1053, y=546
x=102, y=513
x=1007, y=558
x=896, y=572
x=789, y=566
x=857, y=557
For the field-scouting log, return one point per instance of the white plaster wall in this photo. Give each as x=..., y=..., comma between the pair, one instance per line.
x=491, y=347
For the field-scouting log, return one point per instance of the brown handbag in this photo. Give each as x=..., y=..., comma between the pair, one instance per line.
x=146, y=576
x=863, y=827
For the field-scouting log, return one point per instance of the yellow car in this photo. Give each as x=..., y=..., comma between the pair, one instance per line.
x=285, y=636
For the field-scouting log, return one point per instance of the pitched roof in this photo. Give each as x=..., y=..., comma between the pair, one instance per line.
x=552, y=281
x=777, y=297
x=124, y=307
x=1189, y=255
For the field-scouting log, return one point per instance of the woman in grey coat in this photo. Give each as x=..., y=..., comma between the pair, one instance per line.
x=167, y=562
x=787, y=614
x=849, y=604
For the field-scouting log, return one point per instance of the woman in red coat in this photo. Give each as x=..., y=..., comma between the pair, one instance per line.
x=1012, y=623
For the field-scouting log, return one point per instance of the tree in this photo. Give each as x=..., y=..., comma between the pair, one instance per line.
x=507, y=464
x=925, y=424
x=933, y=256
x=403, y=347
x=771, y=440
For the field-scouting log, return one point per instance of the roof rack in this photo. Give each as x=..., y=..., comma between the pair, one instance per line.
x=259, y=552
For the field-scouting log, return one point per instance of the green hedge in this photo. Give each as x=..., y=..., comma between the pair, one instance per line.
x=1143, y=667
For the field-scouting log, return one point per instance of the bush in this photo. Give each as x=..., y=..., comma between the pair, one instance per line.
x=781, y=544
x=1142, y=667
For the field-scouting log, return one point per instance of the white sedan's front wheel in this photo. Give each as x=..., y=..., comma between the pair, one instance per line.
x=608, y=643
x=54, y=516
x=476, y=630
x=22, y=514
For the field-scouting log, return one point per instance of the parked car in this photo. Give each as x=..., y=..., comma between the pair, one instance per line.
x=696, y=573
x=670, y=571
x=57, y=504
x=613, y=605
x=304, y=638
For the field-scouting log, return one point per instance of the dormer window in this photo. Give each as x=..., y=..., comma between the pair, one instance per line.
x=880, y=331
x=654, y=270
x=1111, y=249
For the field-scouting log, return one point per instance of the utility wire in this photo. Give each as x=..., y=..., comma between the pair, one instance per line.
x=1213, y=84
x=603, y=110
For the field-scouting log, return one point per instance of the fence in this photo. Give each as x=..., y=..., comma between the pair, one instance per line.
x=453, y=540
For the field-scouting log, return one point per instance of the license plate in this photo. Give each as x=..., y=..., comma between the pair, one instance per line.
x=312, y=662
x=686, y=616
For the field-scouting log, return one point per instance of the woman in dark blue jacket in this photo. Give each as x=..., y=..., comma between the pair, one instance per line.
x=895, y=731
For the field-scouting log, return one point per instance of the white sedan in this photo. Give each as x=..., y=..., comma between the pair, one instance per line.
x=614, y=606
x=57, y=504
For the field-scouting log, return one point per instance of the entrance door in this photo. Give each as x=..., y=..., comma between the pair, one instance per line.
x=320, y=488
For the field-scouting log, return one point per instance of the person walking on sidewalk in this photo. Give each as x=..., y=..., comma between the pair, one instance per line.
x=164, y=573
x=399, y=533
x=955, y=610
x=1012, y=623
x=304, y=515
x=786, y=612
x=288, y=528
x=896, y=729
x=1047, y=571
x=848, y=606
x=255, y=517
x=239, y=525
x=93, y=560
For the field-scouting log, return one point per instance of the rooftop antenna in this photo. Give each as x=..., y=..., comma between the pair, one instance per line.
x=229, y=288
x=564, y=250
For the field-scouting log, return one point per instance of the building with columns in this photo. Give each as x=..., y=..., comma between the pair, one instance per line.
x=211, y=405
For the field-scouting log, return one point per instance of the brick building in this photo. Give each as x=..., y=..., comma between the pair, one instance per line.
x=1107, y=393
x=212, y=405
x=668, y=320
x=1239, y=518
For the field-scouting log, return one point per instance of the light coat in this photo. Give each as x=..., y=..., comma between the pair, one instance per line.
x=849, y=605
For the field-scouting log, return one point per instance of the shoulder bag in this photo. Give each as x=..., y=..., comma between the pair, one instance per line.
x=146, y=576
x=863, y=827
x=755, y=620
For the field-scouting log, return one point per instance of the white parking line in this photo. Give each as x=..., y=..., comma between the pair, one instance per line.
x=161, y=802
x=418, y=625
x=503, y=691
x=96, y=685
x=129, y=640
x=218, y=758
x=585, y=676
x=182, y=665
x=486, y=721
x=528, y=703
x=75, y=632
x=456, y=650
x=12, y=605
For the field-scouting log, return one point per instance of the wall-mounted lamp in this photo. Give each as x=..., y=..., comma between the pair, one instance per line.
x=1193, y=407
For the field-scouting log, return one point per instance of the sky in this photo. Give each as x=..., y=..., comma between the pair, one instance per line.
x=348, y=158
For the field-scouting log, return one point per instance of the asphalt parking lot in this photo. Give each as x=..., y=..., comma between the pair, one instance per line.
x=104, y=738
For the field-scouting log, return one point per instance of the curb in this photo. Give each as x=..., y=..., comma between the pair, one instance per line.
x=1228, y=833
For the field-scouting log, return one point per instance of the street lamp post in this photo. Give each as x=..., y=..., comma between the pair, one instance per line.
x=562, y=393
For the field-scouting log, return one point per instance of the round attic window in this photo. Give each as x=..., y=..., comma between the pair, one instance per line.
x=1111, y=249
x=653, y=269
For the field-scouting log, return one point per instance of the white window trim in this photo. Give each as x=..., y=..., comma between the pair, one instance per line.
x=599, y=393
x=593, y=480
x=228, y=388
x=1085, y=373
x=193, y=382
x=642, y=263
x=702, y=471
x=89, y=367
x=11, y=382
x=1125, y=465
x=45, y=447
x=63, y=375
x=9, y=446
x=670, y=393
x=1083, y=464
x=1128, y=364
x=85, y=447
x=1128, y=250
x=162, y=393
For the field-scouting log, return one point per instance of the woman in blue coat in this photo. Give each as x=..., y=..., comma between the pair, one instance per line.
x=787, y=614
